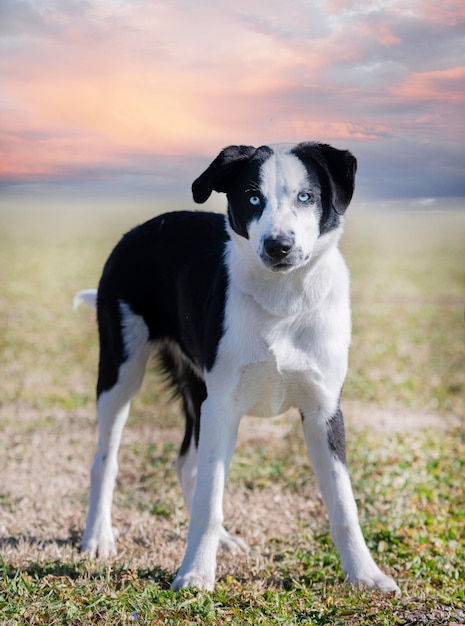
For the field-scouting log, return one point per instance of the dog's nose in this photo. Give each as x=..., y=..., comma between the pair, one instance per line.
x=277, y=248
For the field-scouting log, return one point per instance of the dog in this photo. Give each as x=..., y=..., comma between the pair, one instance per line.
x=249, y=313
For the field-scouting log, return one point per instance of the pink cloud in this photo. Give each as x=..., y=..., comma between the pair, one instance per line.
x=105, y=84
x=383, y=33
x=449, y=12
x=438, y=86
x=339, y=130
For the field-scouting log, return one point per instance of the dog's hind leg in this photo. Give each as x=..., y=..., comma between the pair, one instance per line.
x=186, y=469
x=325, y=441
x=113, y=406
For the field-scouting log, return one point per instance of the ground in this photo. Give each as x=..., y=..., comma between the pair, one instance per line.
x=46, y=472
x=404, y=408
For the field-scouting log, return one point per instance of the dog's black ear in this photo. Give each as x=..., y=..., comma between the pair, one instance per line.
x=218, y=174
x=337, y=169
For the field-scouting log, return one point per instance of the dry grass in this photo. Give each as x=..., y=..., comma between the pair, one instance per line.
x=404, y=407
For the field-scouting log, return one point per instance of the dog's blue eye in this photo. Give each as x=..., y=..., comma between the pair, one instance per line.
x=255, y=200
x=303, y=197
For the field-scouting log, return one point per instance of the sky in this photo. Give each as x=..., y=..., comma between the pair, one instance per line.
x=133, y=98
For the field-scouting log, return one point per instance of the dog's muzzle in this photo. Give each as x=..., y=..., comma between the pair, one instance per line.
x=279, y=252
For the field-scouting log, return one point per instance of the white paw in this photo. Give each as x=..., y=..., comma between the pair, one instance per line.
x=232, y=543
x=191, y=579
x=375, y=580
x=101, y=544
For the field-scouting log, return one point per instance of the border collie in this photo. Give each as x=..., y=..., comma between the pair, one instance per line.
x=250, y=314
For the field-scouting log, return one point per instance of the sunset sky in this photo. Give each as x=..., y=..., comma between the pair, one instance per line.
x=136, y=97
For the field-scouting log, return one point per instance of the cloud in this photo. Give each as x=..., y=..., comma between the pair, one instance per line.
x=442, y=85
x=102, y=89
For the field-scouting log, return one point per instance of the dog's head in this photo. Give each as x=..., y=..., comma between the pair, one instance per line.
x=281, y=199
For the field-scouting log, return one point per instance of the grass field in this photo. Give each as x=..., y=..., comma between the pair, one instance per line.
x=404, y=402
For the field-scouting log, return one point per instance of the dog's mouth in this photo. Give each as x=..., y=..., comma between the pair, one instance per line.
x=287, y=264
x=281, y=267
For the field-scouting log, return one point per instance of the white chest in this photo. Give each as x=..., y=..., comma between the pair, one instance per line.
x=270, y=363
x=286, y=338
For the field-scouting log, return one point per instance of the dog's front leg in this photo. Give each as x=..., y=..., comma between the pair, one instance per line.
x=218, y=434
x=326, y=446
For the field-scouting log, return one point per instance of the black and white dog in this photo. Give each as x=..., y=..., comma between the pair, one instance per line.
x=250, y=314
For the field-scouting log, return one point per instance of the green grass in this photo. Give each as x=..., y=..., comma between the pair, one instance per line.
x=408, y=297
x=408, y=352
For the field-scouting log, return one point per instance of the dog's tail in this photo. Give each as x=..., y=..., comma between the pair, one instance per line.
x=87, y=296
